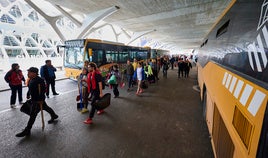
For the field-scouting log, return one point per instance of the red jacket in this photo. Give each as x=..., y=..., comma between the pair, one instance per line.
x=14, y=78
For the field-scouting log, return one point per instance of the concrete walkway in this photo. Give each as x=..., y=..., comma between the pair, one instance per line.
x=164, y=122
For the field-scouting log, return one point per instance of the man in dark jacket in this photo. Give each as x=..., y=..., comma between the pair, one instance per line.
x=129, y=72
x=47, y=72
x=37, y=94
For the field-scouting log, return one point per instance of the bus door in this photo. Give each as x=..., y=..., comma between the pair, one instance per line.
x=97, y=57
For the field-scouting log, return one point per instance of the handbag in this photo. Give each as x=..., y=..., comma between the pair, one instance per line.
x=103, y=102
x=27, y=107
x=112, y=80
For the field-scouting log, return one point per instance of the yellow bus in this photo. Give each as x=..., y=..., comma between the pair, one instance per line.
x=233, y=80
x=103, y=53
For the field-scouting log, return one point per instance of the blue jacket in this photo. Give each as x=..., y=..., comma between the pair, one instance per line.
x=135, y=74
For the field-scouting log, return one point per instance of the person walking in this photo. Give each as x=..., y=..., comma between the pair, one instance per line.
x=149, y=73
x=188, y=66
x=83, y=89
x=139, y=76
x=94, y=82
x=36, y=92
x=165, y=66
x=181, y=67
x=47, y=72
x=116, y=73
x=14, y=78
x=129, y=72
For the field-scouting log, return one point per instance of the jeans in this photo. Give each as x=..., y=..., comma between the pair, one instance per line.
x=129, y=80
x=95, y=96
x=14, y=90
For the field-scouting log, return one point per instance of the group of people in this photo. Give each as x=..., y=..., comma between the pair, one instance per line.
x=38, y=90
x=90, y=82
x=141, y=73
x=184, y=67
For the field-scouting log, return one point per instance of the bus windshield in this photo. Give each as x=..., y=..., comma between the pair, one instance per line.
x=73, y=57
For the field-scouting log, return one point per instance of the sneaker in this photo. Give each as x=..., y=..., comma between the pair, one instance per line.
x=12, y=106
x=55, y=93
x=24, y=133
x=21, y=102
x=100, y=112
x=84, y=110
x=88, y=121
x=52, y=119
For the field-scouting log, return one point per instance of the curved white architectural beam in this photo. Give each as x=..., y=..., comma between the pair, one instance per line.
x=101, y=26
x=51, y=20
x=93, y=18
x=138, y=35
x=75, y=21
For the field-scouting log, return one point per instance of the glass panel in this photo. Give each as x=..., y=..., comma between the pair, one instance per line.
x=35, y=36
x=112, y=56
x=33, y=15
x=46, y=44
x=73, y=57
x=142, y=55
x=132, y=55
x=29, y=43
x=12, y=53
x=15, y=11
x=123, y=57
x=98, y=57
x=10, y=41
x=34, y=53
x=7, y=19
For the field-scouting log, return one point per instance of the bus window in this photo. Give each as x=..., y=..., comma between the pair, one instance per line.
x=74, y=57
x=132, y=55
x=123, y=57
x=98, y=57
x=142, y=55
x=112, y=56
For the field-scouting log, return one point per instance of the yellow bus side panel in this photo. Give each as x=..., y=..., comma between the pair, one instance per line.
x=229, y=92
x=72, y=73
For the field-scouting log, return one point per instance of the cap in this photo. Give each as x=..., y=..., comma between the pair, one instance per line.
x=33, y=69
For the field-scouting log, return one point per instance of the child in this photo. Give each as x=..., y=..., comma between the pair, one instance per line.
x=116, y=73
x=83, y=89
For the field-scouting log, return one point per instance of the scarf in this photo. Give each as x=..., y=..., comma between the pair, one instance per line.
x=91, y=80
